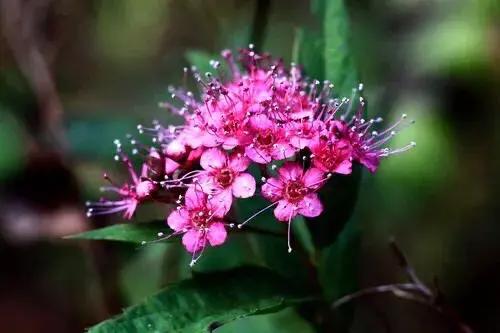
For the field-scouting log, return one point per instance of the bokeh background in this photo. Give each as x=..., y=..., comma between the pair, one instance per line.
x=74, y=75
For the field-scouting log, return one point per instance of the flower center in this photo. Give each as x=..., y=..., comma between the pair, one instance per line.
x=328, y=157
x=225, y=177
x=230, y=126
x=294, y=191
x=265, y=139
x=200, y=218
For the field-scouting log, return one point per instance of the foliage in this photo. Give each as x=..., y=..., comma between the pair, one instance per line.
x=206, y=302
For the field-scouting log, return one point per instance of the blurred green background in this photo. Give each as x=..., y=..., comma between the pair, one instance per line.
x=74, y=75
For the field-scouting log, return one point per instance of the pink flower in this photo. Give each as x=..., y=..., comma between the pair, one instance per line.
x=269, y=143
x=224, y=176
x=131, y=194
x=368, y=146
x=200, y=220
x=294, y=191
x=331, y=155
x=304, y=131
x=226, y=122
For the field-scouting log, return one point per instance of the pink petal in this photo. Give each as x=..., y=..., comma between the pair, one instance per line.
x=170, y=165
x=282, y=150
x=193, y=240
x=370, y=161
x=299, y=142
x=230, y=143
x=217, y=234
x=210, y=140
x=258, y=155
x=310, y=206
x=195, y=154
x=176, y=149
x=285, y=211
x=238, y=161
x=272, y=189
x=261, y=122
x=345, y=167
x=131, y=207
x=192, y=137
x=213, y=158
x=208, y=183
x=313, y=178
x=221, y=203
x=244, y=186
x=178, y=219
x=194, y=198
x=291, y=171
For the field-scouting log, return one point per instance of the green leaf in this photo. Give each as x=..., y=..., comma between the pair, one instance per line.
x=339, y=64
x=206, y=302
x=127, y=232
x=309, y=52
x=339, y=198
x=338, y=264
x=338, y=272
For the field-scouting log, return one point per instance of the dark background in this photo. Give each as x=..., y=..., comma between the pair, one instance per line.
x=74, y=75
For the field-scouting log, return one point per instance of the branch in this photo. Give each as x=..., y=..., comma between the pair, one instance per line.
x=414, y=290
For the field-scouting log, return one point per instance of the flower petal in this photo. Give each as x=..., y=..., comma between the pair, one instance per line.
x=238, y=161
x=175, y=149
x=310, y=206
x=243, y=186
x=194, y=198
x=371, y=161
x=193, y=240
x=272, y=189
x=217, y=234
x=178, y=219
x=285, y=211
x=261, y=122
x=345, y=167
x=291, y=171
x=221, y=203
x=282, y=150
x=170, y=165
x=258, y=155
x=313, y=178
x=213, y=158
x=208, y=183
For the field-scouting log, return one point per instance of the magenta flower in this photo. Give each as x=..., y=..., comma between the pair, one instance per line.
x=304, y=131
x=224, y=176
x=259, y=111
x=200, y=220
x=269, y=143
x=331, y=155
x=226, y=122
x=140, y=189
x=294, y=191
x=367, y=146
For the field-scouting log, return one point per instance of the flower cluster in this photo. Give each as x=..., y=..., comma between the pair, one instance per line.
x=253, y=111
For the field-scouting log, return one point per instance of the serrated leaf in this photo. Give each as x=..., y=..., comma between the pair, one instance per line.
x=126, y=232
x=206, y=302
